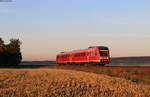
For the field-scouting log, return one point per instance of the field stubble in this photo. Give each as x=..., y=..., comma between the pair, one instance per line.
x=66, y=83
x=137, y=74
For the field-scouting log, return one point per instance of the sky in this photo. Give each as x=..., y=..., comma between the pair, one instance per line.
x=47, y=27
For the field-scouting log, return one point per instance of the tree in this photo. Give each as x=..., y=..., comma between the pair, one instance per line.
x=11, y=55
x=1, y=50
x=1, y=42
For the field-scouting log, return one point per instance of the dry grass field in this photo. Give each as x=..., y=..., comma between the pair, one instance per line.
x=47, y=82
x=137, y=74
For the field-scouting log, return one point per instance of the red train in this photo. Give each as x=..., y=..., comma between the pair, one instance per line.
x=93, y=55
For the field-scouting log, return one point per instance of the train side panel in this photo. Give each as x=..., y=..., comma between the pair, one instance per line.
x=80, y=56
x=94, y=55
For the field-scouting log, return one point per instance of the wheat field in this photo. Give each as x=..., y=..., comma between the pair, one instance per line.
x=66, y=83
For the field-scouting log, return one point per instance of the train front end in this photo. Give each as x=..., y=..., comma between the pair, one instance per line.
x=104, y=55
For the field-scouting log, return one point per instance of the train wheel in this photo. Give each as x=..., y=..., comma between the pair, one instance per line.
x=60, y=64
x=101, y=64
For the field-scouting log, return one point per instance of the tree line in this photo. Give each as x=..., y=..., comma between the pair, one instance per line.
x=10, y=54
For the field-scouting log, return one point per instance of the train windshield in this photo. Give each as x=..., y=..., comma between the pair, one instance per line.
x=103, y=53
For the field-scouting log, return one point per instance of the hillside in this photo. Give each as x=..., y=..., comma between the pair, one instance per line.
x=130, y=60
x=66, y=83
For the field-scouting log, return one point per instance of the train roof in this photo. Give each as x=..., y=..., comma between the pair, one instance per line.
x=102, y=47
x=98, y=47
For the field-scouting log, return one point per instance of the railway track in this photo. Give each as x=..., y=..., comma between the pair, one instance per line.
x=80, y=66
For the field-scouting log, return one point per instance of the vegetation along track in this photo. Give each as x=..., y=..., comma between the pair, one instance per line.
x=137, y=74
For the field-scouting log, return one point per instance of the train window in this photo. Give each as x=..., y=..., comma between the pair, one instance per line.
x=103, y=53
x=87, y=53
x=93, y=53
x=77, y=55
x=65, y=56
x=80, y=54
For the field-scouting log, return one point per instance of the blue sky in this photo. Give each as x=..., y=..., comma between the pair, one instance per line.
x=47, y=27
